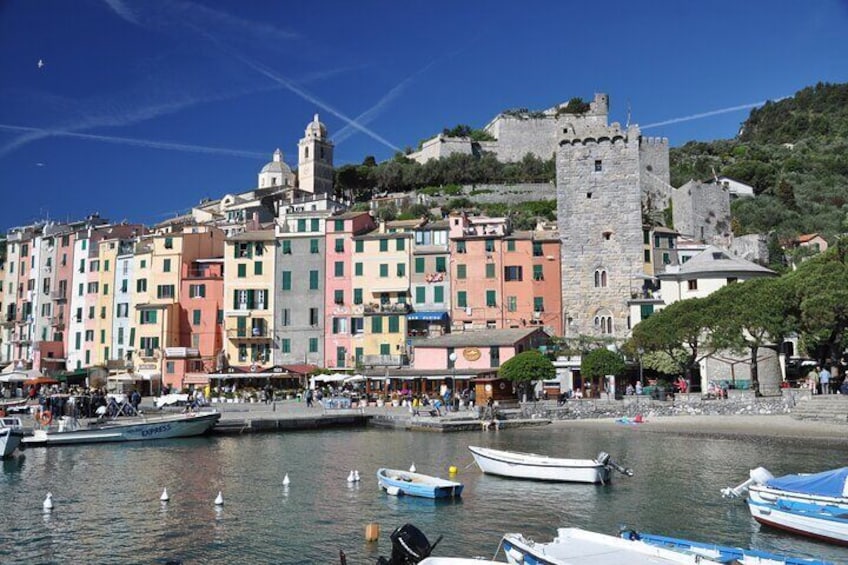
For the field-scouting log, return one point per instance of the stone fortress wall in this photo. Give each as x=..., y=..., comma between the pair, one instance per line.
x=702, y=211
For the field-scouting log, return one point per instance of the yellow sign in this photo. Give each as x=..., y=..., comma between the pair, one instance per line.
x=471, y=353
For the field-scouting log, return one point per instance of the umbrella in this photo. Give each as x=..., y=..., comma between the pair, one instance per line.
x=41, y=381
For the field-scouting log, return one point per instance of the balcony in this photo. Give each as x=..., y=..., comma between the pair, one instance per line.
x=249, y=334
x=58, y=295
x=385, y=360
x=388, y=308
x=148, y=354
x=118, y=364
x=203, y=274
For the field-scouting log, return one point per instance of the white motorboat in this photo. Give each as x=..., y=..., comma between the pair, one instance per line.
x=544, y=468
x=574, y=546
x=68, y=430
x=11, y=434
x=417, y=484
x=813, y=505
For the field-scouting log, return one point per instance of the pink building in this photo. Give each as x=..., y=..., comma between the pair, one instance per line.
x=475, y=351
x=201, y=323
x=342, y=330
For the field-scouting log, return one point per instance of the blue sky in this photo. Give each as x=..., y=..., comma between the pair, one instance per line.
x=143, y=108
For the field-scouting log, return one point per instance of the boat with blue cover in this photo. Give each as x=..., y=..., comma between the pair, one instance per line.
x=813, y=505
x=397, y=482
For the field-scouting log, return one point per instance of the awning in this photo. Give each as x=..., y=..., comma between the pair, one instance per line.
x=428, y=316
x=196, y=379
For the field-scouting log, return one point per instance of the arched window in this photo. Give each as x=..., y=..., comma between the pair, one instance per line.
x=603, y=322
x=600, y=278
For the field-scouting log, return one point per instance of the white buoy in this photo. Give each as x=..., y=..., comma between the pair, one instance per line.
x=351, y=477
x=286, y=480
x=219, y=500
x=356, y=475
x=412, y=468
x=48, y=502
x=164, y=497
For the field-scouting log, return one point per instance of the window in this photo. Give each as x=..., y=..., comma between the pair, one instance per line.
x=89, y=335
x=339, y=325
x=600, y=278
x=165, y=291
x=285, y=316
x=693, y=284
x=242, y=352
x=341, y=352
x=646, y=237
x=105, y=290
x=603, y=323
x=511, y=273
x=102, y=312
x=461, y=271
x=81, y=266
x=538, y=304
x=419, y=265
x=147, y=316
x=123, y=310
x=285, y=246
x=494, y=357
x=439, y=294
x=313, y=345
x=338, y=268
x=400, y=244
x=314, y=225
x=394, y=324
x=491, y=299
x=286, y=282
x=538, y=273
x=169, y=243
x=285, y=345
x=78, y=340
x=93, y=287
x=338, y=225
x=338, y=296
x=384, y=245
x=441, y=265
x=314, y=246
x=462, y=299
x=357, y=269
x=357, y=325
x=258, y=249
x=106, y=265
x=384, y=270
x=359, y=246
x=313, y=316
x=120, y=336
x=537, y=249
x=357, y=296
x=490, y=270
x=647, y=254
x=242, y=270
x=460, y=247
x=511, y=303
x=141, y=285
x=385, y=349
x=91, y=312
x=339, y=247
x=401, y=269
x=197, y=291
x=490, y=245
x=102, y=336
x=143, y=264
x=666, y=258
x=195, y=317
x=94, y=266
x=599, y=165
x=377, y=325
x=257, y=267
x=313, y=280
x=420, y=294
x=510, y=245
x=301, y=225
x=166, y=266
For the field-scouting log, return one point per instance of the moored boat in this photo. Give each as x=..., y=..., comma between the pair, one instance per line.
x=543, y=468
x=68, y=430
x=396, y=482
x=575, y=546
x=11, y=434
x=813, y=505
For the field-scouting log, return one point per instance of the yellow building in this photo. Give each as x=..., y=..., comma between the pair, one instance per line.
x=104, y=305
x=249, y=263
x=381, y=271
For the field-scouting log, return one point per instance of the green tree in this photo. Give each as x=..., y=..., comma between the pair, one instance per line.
x=598, y=363
x=527, y=366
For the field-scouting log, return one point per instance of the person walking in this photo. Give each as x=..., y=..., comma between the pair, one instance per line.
x=813, y=380
x=309, y=398
x=824, y=380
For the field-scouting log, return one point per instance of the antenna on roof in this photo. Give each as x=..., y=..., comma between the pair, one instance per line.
x=627, y=125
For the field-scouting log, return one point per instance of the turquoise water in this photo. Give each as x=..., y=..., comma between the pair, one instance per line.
x=107, y=507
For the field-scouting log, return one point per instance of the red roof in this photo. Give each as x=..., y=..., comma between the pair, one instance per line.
x=804, y=238
x=302, y=369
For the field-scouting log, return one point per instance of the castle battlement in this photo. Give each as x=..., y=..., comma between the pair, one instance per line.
x=655, y=140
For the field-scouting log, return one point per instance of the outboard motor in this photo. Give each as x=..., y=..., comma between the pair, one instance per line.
x=605, y=460
x=409, y=546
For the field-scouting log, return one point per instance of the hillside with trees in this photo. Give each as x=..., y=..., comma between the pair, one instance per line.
x=794, y=152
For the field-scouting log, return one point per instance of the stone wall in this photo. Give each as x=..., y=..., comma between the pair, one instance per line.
x=702, y=211
x=753, y=247
x=518, y=136
x=501, y=193
x=600, y=224
x=655, y=174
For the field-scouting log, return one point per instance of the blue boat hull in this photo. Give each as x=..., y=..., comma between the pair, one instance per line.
x=414, y=484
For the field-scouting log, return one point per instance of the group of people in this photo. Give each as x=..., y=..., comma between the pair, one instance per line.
x=820, y=381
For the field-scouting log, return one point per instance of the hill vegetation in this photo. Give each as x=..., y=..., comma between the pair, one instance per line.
x=794, y=152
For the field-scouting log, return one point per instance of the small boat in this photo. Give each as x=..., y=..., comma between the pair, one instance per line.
x=722, y=553
x=812, y=505
x=397, y=482
x=11, y=434
x=544, y=468
x=575, y=546
x=69, y=430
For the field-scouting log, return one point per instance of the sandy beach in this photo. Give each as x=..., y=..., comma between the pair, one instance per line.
x=782, y=426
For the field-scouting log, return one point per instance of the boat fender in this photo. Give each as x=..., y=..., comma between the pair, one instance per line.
x=46, y=418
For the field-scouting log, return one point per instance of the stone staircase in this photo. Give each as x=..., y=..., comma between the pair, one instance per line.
x=825, y=408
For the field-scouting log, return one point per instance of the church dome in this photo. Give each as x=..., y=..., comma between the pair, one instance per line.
x=276, y=173
x=316, y=129
x=276, y=165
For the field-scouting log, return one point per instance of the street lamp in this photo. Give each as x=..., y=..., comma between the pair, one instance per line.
x=452, y=358
x=641, y=352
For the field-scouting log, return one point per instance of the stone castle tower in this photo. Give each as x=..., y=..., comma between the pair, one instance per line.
x=605, y=175
x=315, y=159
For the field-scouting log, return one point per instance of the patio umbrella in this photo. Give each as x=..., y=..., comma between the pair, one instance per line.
x=41, y=381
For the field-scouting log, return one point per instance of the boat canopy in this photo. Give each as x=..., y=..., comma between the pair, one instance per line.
x=828, y=483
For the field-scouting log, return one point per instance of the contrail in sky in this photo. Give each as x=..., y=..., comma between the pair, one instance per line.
x=708, y=114
x=149, y=143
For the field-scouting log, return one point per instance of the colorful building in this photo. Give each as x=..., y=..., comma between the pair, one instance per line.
x=201, y=331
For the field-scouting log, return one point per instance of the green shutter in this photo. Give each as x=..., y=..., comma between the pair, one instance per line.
x=419, y=264
x=385, y=349
x=490, y=270
x=357, y=296
x=394, y=324
x=510, y=245
x=301, y=225
x=384, y=270
x=491, y=298
x=401, y=244
x=242, y=270
x=384, y=245
x=359, y=246
x=313, y=280
x=196, y=317
x=401, y=269
x=257, y=267
x=441, y=265
x=357, y=269
x=132, y=337
x=314, y=246
x=438, y=294
x=420, y=294
x=338, y=268
x=377, y=325
x=461, y=271
x=316, y=226
x=241, y=326
x=286, y=280
x=461, y=299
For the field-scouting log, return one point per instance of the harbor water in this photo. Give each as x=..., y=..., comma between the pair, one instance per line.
x=107, y=507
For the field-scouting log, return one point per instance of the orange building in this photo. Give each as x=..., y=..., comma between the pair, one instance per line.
x=201, y=322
